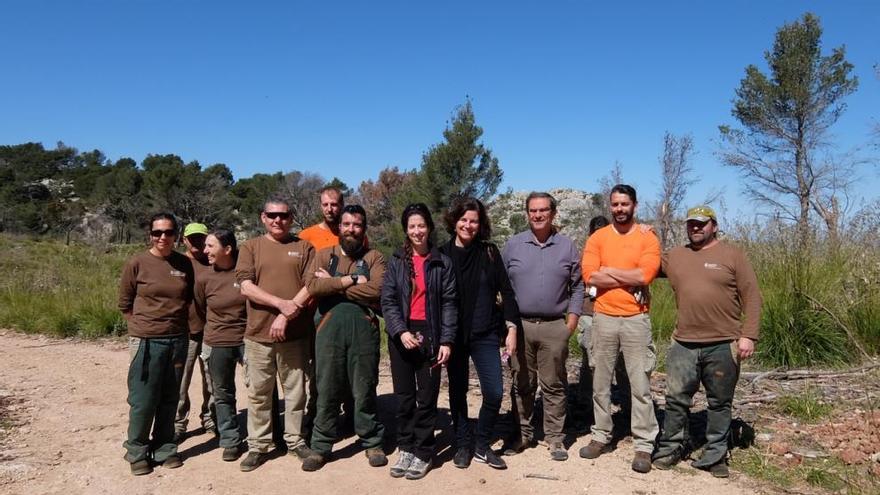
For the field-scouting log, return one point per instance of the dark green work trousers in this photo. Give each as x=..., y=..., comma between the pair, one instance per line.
x=689, y=364
x=346, y=358
x=153, y=391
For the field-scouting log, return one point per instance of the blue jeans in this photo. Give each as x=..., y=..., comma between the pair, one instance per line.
x=688, y=364
x=483, y=350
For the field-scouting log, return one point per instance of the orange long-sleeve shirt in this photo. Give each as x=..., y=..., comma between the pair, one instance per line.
x=635, y=249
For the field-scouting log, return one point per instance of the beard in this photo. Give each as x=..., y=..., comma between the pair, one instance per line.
x=352, y=246
x=623, y=218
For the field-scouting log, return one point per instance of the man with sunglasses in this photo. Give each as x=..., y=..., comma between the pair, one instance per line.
x=347, y=281
x=719, y=312
x=194, y=235
x=271, y=271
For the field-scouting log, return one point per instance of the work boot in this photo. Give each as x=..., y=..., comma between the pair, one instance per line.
x=376, y=457
x=641, y=462
x=141, y=467
x=516, y=447
x=301, y=452
x=231, y=454
x=313, y=462
x=462, y=458
x=253, y=461
x=719, y=470
x=593, y=450
x=173, y=461
x=667, y=461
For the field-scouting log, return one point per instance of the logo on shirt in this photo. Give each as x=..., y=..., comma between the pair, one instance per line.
x=177, y=273
x=295, y=254
x=712, y=266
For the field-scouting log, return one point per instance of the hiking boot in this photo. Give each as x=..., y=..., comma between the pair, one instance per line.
x=490, y=458
x=720, y=470
x=641, y=462
x=313, y=462
x=398, y=470
x=253, y=461
x=558, y=452
x=301, y=452
x=666, y=462
x=141, y=467
x=173, y=461
x=418, y=469
x=231, y=453
x=593, y=450
x=516, y=447
x=376, y=457
x=179, y=436
x=462, y=458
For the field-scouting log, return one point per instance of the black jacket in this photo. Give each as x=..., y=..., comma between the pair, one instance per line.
x=441, y=306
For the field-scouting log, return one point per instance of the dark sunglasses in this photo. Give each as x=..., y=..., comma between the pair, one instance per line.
x=284, y=215
x=168, y=233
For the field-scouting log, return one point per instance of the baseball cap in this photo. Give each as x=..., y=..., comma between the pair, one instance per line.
x=701, y=213
x=195, y=228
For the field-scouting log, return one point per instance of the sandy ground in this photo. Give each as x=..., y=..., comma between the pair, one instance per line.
x=67, y=400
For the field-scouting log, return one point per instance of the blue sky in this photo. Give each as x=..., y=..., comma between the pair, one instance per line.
x=563, y=89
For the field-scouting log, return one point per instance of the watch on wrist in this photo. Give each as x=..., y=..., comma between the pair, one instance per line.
x=354, y=278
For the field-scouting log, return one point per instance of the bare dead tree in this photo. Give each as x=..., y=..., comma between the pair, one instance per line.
x=676, y=177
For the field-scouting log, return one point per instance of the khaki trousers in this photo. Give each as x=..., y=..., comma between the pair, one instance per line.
x=287, y=362
x=541, y=361
x=630, y=336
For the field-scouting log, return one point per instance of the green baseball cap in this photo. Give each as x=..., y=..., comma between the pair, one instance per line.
x=702, y=213
x=195, y=228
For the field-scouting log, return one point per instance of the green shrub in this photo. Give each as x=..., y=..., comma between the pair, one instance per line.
x=806, y=406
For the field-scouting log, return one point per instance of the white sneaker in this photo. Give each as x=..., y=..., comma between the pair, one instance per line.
x=418, y=469
x=404, y=460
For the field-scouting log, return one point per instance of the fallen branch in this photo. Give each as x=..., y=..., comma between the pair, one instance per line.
x=541, y=476
x=803, y=374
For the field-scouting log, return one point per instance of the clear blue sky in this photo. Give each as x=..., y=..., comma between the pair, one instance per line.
x=563, y=89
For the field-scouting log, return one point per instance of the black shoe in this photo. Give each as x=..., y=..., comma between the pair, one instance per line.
x=313, y=462
x=141, y=467
x=489, y=457
x=641, y=462
x=558, y=452
x=253, y=461
x=179, y=436
x=173, y=461
x=462, y=458
x=231, y=453
x=301, y=452
x=516, y=447
x=666, y=462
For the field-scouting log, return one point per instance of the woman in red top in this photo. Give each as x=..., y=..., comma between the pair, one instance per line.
x=419, y=306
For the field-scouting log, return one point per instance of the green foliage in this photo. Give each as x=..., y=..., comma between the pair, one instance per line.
x=806, y=406
x=60, y=290
x=460, y=166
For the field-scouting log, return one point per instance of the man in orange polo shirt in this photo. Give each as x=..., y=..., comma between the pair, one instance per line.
x=620, y=260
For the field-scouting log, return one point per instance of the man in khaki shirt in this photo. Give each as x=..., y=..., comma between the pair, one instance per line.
x=719, y=311
x=271, y=271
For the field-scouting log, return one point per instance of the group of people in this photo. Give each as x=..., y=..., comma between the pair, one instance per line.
x=301, y=314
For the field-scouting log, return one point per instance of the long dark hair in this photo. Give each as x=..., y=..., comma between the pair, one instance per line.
x=227, y=239
x=420, y=209
x=462, y=205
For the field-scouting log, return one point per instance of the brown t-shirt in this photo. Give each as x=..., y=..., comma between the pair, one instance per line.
x=218, y=296
x=278, y=268
x=329, y=290
x=716, y=292
x=156, y=293
x=196, y=316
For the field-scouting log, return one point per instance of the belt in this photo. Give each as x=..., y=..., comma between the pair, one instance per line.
x=540, y=319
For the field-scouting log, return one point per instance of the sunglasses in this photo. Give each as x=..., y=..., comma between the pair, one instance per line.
x=272, y=215
x=167, y=233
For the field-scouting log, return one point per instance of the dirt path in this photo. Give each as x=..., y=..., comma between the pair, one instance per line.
x=67, y=399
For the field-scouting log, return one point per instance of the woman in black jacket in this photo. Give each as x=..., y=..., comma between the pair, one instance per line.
x=482, y=327
x=419, y=306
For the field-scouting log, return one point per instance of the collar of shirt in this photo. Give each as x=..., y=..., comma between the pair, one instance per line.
x=531, y=239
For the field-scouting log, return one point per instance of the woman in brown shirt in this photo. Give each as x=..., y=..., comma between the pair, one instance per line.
x=218, y=296
x=155, y=292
